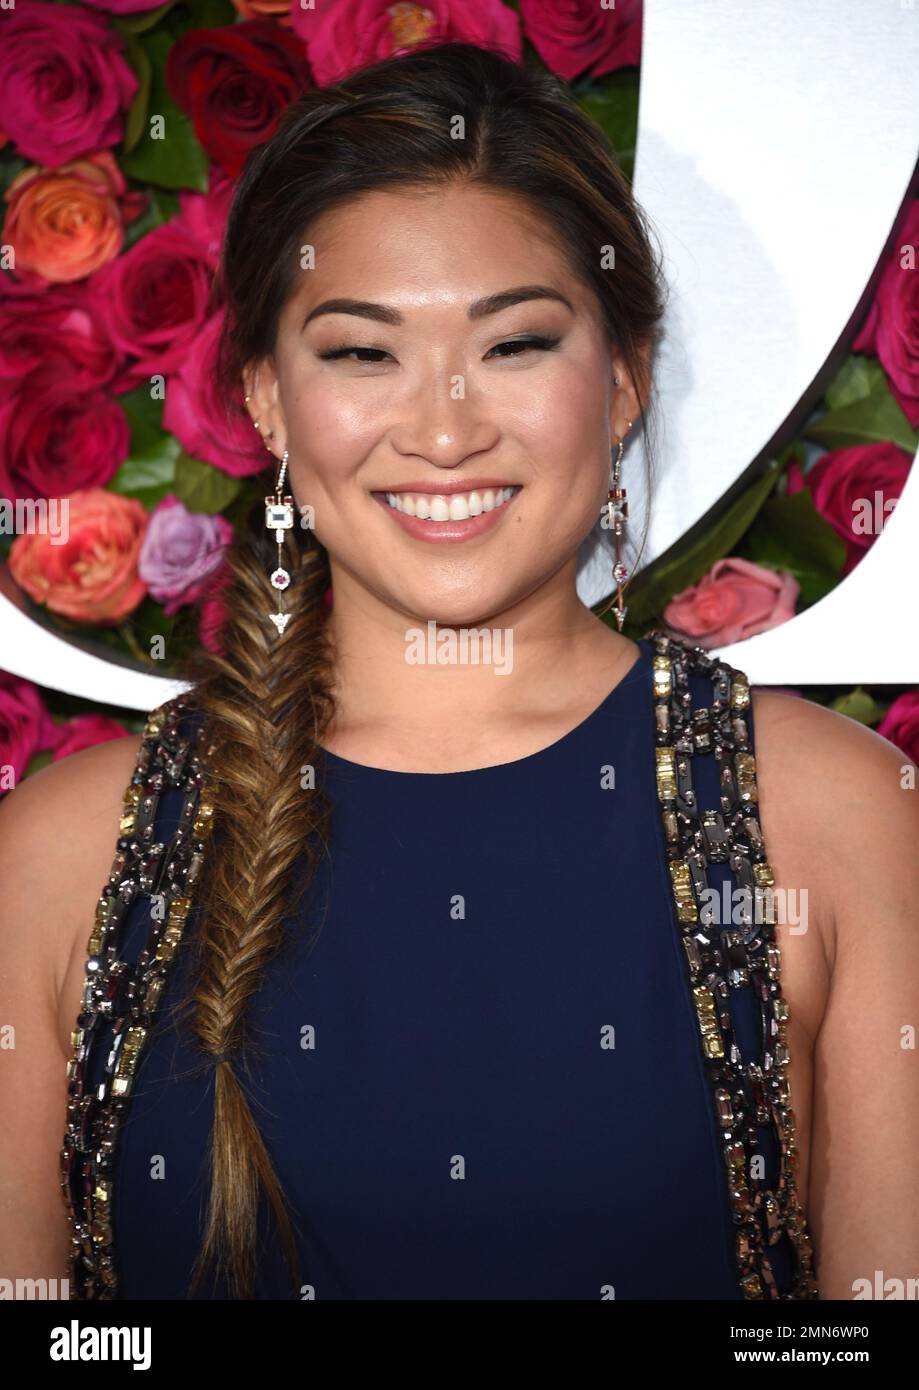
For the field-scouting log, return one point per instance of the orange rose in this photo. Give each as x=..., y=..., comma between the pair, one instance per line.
x=64, y=223
x=93, y=576
x=278, y=10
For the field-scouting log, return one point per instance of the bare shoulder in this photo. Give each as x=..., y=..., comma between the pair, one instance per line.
x=840, y=797
x=58, y=832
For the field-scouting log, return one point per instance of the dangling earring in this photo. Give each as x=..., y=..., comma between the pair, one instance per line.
x=618, y=513
x=279, y=517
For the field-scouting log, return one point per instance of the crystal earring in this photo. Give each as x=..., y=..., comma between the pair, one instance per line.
x=618, y=513
x=279, y=517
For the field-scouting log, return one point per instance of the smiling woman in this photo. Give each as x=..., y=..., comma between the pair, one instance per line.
x=407, y=974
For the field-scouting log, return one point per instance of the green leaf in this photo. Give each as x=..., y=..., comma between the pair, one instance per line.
x=37, y=762
x=140, y=62
x=148, y=473
x=177, y=160
x=201, y=14
x=138, y=23
x=613, y=103
x=202, y=487
x=790, y=534
x=856, y=378
x=686, y=563
x=858, y=704
x=875, y=418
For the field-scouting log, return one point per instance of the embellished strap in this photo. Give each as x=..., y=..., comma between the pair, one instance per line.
x=122, y=986
x=746, y=1094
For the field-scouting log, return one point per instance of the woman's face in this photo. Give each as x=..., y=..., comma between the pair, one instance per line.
x=431, y=384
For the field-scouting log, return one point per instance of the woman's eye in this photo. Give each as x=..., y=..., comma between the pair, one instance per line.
x=516, y=344
x=332, y=354
x=515, y=347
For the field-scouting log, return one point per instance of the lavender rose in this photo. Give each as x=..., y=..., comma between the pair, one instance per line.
x=181, y=551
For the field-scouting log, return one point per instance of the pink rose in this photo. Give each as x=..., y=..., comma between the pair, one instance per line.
x=64, y=84
x=56, y=322
x=736, y=599
x=154, y=299
x=58, y=434
x=196, y=412
x=93, y=577
x=891, y=329
x=577, y=36
x=85, y=731
x=901, y=724
x=855, y=490
x=26, y=728
x=120, y=6
x=344, y=35
x=204, y=215
x=181, y=551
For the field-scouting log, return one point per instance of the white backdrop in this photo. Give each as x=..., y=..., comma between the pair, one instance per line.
x=776, y=143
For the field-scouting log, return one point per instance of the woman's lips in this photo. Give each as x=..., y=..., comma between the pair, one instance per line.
x=450, y=531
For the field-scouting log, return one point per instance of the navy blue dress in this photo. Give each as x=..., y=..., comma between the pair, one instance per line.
x=479, y=1071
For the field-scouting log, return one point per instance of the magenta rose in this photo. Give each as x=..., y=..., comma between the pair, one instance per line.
x=855, y=490
x=213, y=612
x=26, y=727
x=736, y=599
x=577, y=36
x=901, y=724
x=180, y=553
x=196, y=412
x=344, y=35
x=204, y=215
x=56, y=322
x=235, y=83
x=85, y=731
x=58, y=436
x=891, y=329
x=64, y=83
x=154, y=299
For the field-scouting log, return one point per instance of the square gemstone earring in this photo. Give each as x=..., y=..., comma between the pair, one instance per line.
x=279, y=517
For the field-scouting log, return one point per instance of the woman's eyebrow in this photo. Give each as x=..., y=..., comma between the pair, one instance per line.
x=478, y=309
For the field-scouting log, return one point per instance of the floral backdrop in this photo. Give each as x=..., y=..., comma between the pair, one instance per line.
x=122, y=129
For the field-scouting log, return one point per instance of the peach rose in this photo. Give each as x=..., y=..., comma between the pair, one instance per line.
x=736, y=599
x=64, y=223
x=278, y=10
x=93, y=577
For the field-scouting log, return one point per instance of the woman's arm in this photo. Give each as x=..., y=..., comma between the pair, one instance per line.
x=57, y=842
x=863, y=1197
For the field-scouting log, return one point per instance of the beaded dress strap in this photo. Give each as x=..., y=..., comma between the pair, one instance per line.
x=123, y=985
x=747, y=1095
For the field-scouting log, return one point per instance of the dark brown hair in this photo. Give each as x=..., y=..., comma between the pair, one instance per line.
x=266, y=700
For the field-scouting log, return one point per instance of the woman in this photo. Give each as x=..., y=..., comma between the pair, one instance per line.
x=401, y=984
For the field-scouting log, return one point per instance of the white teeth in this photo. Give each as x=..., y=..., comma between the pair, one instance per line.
x=458, y=506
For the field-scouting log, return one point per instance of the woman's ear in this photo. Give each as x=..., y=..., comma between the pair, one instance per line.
x=262, y=400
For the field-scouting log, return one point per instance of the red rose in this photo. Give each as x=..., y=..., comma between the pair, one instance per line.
x=26, y=728
x=196, y=412
x=55, y=322
x=58, y=435
x=736, y=599
x=855, y=490
x=891, y=330
x=234, y=83
x=577, y=36
x=901, y=724
x=154, y=299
